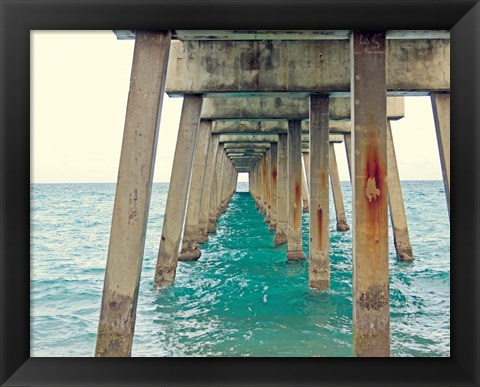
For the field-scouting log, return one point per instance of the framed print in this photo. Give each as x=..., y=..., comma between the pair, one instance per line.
x=214, y=349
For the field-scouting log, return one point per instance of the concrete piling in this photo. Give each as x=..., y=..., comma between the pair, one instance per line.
x=294, y=250
x=342, y=224
x=273, y=185
x=281, y=231
x=304, y=189
x=371, y=310
x=177, y=192
x=441, y=117
x=190, y=250
x=267, y=179
x=319, y=260
x=347, y=139
x=262, y=135
x=132, y=196
x=207, y=190
x=306, y=163
x=398, y=216
x=216, y=187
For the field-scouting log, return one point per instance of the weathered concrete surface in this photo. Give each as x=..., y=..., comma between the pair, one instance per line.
x=267, y=179
x=284, y=108
x=295, y=67
x=304, y=190
x=398, y=216
x=246, y=152
x=294, y=249
x=306, y=161
x=347, y=137
x=132, y=196
x=281, y=231
x=220, y=187
x=246, y=145
x=273, y=185
x=441, y=117
x=342, y=224
x=246, y=139
x=190, y=250
x=207, y=190
x=177, y=191
x=319, y=260
x=253, y=127
x=261, y=185
x=286, y=34
x=371, y=310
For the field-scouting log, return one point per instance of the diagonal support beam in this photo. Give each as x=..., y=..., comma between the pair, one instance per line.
x=175, y=208
x=132, y=196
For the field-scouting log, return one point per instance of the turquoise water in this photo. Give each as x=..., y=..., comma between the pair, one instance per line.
x=241, y=298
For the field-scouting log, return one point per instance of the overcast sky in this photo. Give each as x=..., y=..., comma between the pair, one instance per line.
x=79, y=93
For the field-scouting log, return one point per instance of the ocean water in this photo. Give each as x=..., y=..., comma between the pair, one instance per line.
x=241, y=298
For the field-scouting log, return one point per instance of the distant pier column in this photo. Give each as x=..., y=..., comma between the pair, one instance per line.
x=273, y=195
x=221, y=186
x=306, y=161
x=319, y=262
x=207, y=189
x=304, y=189
x=251, y=183
x=177, y=191
x=253, y=187
x=132, y=196
x=398, y=216
x=264, y=185
x=294, y=251
x=259, y=185
x=229, y=189
x=225, y=186
x=281, y=230
x=371, y=311
x=342, y=224
x=347, y=139
x=190, y=250
x=216, y=186
x=441, y=117
x=268, y=178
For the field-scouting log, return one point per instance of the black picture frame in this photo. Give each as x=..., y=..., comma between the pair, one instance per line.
x=18, y=17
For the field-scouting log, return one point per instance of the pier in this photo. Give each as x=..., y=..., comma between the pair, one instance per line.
x=272, y=105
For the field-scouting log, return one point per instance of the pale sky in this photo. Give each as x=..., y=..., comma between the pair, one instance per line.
x=80, y=83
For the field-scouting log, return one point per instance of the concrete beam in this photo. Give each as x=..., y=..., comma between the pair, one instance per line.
x=271, y=127
x=285, y=34
x=244, y=161
x=270, y=138
x=247, y=67
x=248, y=145
x=251, y=152
x=279, y=108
